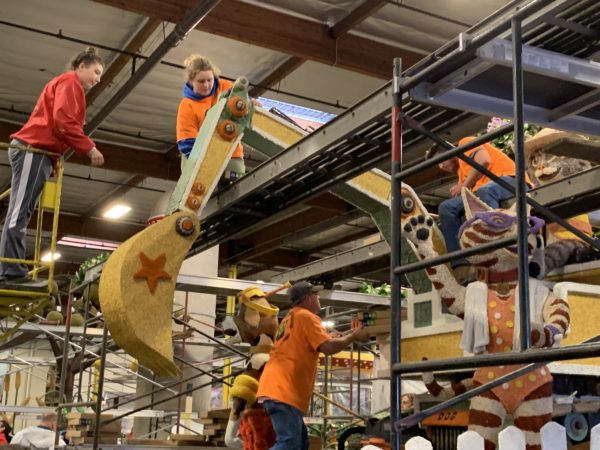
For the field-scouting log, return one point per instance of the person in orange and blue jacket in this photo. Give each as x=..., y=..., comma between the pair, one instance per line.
x=200, y=92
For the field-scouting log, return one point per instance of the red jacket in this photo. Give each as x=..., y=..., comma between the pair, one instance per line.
x=56, y=122
x=3, y=439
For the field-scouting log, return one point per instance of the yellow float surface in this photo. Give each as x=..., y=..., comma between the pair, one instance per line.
x=136, y=291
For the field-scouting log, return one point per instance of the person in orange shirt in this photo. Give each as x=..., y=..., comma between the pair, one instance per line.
x=452, y=210
x=201, y=91
x=287, y=382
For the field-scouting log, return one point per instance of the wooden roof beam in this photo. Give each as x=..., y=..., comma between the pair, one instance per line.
x=288, y=66
x=281, y=32
x=121, y=61
x=268, y=239
x=356, y=16
x=92, y=228
x=340, y=28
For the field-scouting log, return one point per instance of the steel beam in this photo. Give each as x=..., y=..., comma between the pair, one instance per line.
x=227, y=286
x=187, y=24
x=561, y=196
x=336, y=263
x=463, y=89
x=343, y=127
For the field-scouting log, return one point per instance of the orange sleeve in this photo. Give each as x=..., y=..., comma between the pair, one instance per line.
x=188, y=124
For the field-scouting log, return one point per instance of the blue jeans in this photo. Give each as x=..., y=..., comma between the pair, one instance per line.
x=452, y=211
x=29, y=173
x=288, y=424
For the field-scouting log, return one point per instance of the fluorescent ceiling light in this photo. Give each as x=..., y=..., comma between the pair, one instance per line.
x=50, y=257
x=328, y=323
x=71, y=241
x=117, y=211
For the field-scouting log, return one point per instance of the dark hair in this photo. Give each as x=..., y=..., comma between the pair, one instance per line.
x=432, y=151
x=7, y=430
x=87, y=57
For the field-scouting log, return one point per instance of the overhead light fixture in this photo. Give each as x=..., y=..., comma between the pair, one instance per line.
x=328, y=323
x=117, y=211
x=71, y=241
x=49, y=256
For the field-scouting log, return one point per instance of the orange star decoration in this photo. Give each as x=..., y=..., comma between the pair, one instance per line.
x=152, y=270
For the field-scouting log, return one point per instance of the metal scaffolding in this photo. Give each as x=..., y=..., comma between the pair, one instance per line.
x=91, y=343
x=470, y=73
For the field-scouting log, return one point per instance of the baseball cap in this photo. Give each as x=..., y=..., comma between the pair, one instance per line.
x=301, y=289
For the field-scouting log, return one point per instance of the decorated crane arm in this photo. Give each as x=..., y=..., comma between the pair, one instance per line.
x=138, y=281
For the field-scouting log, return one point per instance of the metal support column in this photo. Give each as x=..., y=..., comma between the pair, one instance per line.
x=230, y=311
x=63, y=370
x=522, y=223
x=100, y=387
x=396, y=156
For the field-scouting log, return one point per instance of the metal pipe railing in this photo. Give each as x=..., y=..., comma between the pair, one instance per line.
x=395, y=279
x=521, y=188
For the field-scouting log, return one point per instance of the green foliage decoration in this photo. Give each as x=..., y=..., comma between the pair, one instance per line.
x=87, y=265
x=506, y=142
x=385, y=290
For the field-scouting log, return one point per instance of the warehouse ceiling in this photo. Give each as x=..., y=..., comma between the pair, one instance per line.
x=325, y=55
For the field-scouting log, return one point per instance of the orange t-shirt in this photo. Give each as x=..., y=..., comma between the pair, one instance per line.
x=289, y=375
x=500, y=165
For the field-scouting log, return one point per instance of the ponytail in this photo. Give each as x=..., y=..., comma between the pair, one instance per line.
x=87, y=57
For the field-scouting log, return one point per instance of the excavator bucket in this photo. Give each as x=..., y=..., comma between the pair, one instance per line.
x=137, y=286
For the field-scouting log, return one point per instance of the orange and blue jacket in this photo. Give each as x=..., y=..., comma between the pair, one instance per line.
x=191, y=114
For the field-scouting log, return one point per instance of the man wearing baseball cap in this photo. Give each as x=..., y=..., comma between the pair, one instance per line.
x=287, y=382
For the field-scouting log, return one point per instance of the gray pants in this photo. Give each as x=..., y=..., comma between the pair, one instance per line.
x=29, y=173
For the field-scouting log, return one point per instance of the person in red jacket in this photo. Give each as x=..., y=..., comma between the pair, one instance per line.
x=200, y=92
x=56, y=125
x=5, y=432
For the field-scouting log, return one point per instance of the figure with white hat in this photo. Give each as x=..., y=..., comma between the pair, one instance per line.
x=562, y=247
